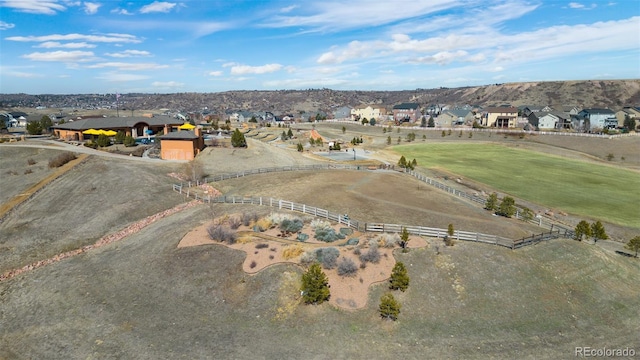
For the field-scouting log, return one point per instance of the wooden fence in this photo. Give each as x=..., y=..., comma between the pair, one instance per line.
x=352, y=223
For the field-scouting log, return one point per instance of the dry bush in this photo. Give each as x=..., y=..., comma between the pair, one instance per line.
x=61, y=159
x=253, y=264
x=319, y=224
x=193, y=171
x=248, y=218
x=262, y=246
x=244, y=239
x=30, y=161
x=277, y=218
x=347, y=267
x=264, y=224
x=221, y=233
x=291, y=252
x=389, y=240
x=234, y=222
x=371, y=255
x=308, y=257
x=28, y=171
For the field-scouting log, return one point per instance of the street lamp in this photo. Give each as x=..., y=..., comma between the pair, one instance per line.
x=354, y=153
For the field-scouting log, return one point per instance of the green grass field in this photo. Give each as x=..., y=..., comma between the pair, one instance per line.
x=594, y=191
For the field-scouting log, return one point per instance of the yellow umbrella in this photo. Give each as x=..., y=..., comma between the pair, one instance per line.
x=186, y=126
x=110, y=132
x=92, y=132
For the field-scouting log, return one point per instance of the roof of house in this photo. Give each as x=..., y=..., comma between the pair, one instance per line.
x=457, y=112
x=558, y=114
x=501, y=109
x=599, y=111
x=179, y=135
x=406, y=106
x=117, y=122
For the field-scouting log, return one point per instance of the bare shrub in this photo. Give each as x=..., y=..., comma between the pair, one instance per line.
x=193, y=170
x=363, y=265
x=221, y=233
x=448, y=240
x=253, y=264
x=28, y=171
x=248, y=218
x=291, y=225
x=30, y=161
x=234, y=222
x=371, y=255
x=389, y=240
x=319, y=224
x=262, y=246
x=271, y=257
x=291, y=252
x=308, y=257
x=357, y=251
x=330, y=258
x=347, y=267
x=61, y=159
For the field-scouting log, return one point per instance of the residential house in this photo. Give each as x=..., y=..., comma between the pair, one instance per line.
x=406, y=112
x=596, y=119
x=526, y=110
x=549, y=120
x=455, y=117
x=342, y=113
x=367, y=112
x=503, y=117
x=628, y=111
x=570, y=109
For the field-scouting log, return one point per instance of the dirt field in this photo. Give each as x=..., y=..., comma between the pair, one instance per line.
x=145, y=298
x=17, y=174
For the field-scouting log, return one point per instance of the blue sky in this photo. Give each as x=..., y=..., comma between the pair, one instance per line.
x=66, y=46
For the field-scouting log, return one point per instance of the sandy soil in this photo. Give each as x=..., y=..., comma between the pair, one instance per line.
x=347, y=292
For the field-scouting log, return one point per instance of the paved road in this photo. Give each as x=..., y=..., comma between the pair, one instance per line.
x=58, y=145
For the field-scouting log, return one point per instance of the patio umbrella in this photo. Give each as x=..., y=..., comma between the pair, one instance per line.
x=186, y=126
x=92, y=132
x=110, y=132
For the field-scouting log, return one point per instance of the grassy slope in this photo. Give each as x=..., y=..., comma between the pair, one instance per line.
x=582, y=188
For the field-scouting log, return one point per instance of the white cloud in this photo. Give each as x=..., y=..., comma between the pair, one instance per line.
x=61, y=56
x=129, y=53
x=167, y=84
x=128, y=66
x=337, y=15
x=120, y=77
x=24, y=75
x=288, y=8
x=575, y=5
x=246, y=69
x=34, y=6
x=120, y=11
x=157, y=6
x=91, y=8
x=6, y=25
x=107, y=38
x=441, y=58
x=215, y=73
x=71, y=45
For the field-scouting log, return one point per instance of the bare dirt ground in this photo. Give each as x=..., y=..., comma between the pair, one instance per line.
x=146, y=298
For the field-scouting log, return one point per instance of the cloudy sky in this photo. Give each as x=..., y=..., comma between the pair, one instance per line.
x=65, y=46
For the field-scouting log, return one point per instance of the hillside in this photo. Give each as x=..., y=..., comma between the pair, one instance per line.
x=589, y=93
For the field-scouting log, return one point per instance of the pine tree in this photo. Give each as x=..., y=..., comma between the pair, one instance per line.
x=290, y=133
x=389, y=307
x=237, y=139
x=633, y=245
x=315, y=285
x=507, y=207
x=492, y=202
x=582, y=229
x=402, y=162
x=399, y=277
x=597, y=231
x=404, y=238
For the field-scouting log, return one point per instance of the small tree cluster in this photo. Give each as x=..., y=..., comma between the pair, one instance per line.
x=299, y=147
x=595, y=230
x=492, y=202
x=335, y=146
x=356, y=140
x=403, y=163
x=411, y=137
x=315, y=285
x=129, y=141
x=399, y=277
x=507, y=207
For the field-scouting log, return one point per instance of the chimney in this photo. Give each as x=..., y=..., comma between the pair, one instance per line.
x=166, y=129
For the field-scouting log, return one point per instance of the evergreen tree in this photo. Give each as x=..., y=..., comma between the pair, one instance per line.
x=389, y=307
x=237, y=139
x=315, y=285
x=402, y=162
x=388, y=140
x=423, y=122
x=344, y=129
x=450, y=230
x=119, y=139
x=633, y=245
x=507, y=207
x=432, y=122
x=34, y=128
x=582, y=229
x=129, y=141
x=103, y=140
x=399, y=277
x=492, y=202
x=597, y=231
x=290, y=134
x=404, y=238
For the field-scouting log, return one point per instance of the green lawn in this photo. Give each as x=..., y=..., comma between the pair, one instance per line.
x=591, y=190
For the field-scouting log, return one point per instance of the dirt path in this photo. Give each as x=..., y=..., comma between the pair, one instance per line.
x=20, y=198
